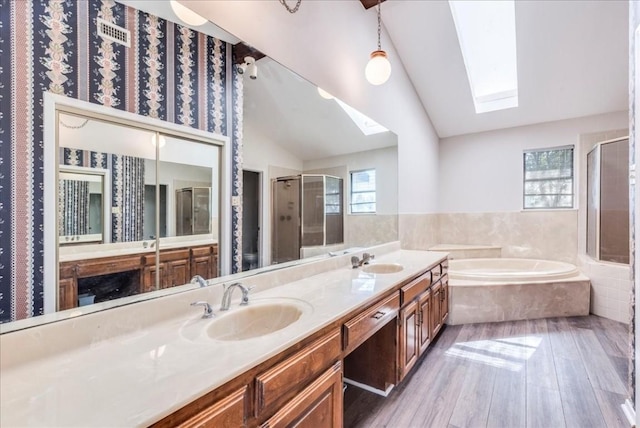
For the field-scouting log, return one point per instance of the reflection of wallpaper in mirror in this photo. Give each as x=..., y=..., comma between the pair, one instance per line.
x=73, y=206
x=127, y=189
x=171, y=73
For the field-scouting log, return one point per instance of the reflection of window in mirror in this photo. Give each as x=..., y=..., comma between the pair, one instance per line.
x=363, y=192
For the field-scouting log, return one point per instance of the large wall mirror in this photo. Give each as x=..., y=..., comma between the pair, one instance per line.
x=135, y=207
x=303, y=147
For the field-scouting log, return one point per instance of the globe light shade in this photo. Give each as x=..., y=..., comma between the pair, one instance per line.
x=163, y=140
x=186, y=15
x=324, y=94
x=378, y=68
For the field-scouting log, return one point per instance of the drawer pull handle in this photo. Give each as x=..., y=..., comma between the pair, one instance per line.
x=378, y=315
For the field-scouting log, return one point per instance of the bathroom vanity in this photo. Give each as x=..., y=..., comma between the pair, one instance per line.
x=160, y=363
x=373, y=346
x=134, y=271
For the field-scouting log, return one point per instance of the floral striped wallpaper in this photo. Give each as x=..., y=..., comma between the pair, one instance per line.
x=170, y=72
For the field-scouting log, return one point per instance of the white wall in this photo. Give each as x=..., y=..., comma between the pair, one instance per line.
x=328, y=43
x=266, y=157
x=384, y=161
x=483, y=172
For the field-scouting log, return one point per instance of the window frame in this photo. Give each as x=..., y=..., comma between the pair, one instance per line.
x=572, y=177
x=352, y=192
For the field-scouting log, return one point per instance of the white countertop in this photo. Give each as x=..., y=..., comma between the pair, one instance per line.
x=139, y=378
x=69, y=253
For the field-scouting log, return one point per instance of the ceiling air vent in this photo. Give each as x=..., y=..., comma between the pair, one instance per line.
x=112, y=32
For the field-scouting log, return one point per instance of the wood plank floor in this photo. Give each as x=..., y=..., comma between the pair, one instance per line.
x=555, y=372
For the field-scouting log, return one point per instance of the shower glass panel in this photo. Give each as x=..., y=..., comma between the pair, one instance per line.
x=593, y=201
x=286, y=220
x=608, y=201
x=308, y=211
x=312, y=210
x=334, y=203
x=614, y=202
x=193, y=211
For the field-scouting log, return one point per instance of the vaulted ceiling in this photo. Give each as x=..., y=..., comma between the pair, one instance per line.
x=572, y=59
x=572, y=62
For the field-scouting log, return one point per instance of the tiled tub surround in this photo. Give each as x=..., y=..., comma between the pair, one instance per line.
x=610, y=288
x=460, y=251
x=513, y=292
x=132, y=366
x=539, y=234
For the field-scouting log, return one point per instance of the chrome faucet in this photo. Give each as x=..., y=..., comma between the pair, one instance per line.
x=199, y=280
x=208, y=310
x=366, y=258
x=228, y=290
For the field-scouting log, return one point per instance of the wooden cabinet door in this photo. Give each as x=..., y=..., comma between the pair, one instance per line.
x=67, y=294
x=177, y=273
x=444, y=299
x=436, y=317
x=149, y=277
x=424, y=314
x=201, y=265
x=409, y=332
x=230, y=411
x=318, y=406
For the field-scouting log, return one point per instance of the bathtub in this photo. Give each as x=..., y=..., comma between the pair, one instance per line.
x=497, y=289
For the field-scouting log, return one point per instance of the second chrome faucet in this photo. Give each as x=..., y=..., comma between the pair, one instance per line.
x=228, y=290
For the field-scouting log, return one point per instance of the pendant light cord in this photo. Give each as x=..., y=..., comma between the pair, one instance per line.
x=379, y=27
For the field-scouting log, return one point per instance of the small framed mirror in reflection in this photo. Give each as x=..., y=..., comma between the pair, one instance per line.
x=84, y=199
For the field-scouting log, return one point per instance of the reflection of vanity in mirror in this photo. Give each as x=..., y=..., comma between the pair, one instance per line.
x=136, y=218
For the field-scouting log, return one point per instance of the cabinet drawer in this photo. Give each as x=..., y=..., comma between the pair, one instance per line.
x=319, y=405
x=436, y=271
x=202, y=251
x=287, y=377
x=228, y=412
x=414, y=288
x=86, y=268
x=363, y=326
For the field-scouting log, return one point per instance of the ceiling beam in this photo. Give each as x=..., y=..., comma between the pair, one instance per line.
x=241, y=49
x=370, y=3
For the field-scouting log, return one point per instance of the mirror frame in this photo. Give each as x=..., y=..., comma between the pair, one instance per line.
x=53, y=104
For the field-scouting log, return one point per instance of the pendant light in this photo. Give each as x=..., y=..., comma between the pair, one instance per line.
x=186, y=15
x=378, y=68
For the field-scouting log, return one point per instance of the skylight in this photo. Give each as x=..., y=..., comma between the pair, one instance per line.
x=367, y=125
x=487, y=36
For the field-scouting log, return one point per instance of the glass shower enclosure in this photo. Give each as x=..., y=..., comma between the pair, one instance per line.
x=608, y=201
x=308, y=211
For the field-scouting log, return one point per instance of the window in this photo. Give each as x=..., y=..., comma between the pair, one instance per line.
x=548, y=178
x=363, y=192
x=487, y=37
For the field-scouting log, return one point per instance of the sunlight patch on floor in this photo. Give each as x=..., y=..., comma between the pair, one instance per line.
x=507, y=353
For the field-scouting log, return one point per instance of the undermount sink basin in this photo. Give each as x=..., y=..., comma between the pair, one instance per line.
x=383, y=268
x=261, y=317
